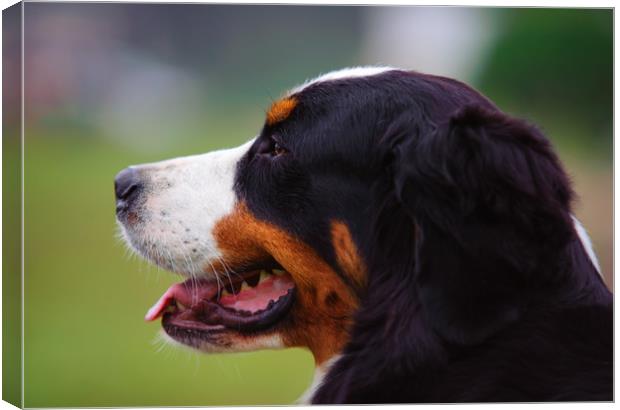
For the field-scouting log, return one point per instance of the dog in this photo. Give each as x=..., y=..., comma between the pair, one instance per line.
x=415, y=238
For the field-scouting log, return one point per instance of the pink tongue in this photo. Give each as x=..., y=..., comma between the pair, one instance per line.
x=249, y=299
x=258, y=298
x=187, y=293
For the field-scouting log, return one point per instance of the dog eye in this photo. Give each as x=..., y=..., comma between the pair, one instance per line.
x=277, y=149
x=271, y=147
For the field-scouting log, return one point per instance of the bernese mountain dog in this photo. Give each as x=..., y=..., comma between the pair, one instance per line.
x=415, y=238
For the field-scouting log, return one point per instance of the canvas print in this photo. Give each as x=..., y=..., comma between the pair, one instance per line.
x=210, y=205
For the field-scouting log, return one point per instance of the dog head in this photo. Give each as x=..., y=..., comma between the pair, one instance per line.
x=283, y=238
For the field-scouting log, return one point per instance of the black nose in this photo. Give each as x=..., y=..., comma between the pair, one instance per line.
x=126, y=186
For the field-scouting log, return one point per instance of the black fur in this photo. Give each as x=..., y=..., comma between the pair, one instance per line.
x=479, y=288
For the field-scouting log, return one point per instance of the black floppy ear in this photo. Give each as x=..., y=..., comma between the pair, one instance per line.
x=491, y=205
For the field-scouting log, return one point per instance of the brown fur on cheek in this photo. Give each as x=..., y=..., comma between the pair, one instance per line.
x=347, y=254
x=320, y=326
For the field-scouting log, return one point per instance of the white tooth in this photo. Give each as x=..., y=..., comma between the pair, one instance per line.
x=263, y=275
x=244, y=286
x=181, y=306
x=278, y=272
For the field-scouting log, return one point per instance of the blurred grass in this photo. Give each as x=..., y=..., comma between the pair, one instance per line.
x=85, y=341
x=11, y=262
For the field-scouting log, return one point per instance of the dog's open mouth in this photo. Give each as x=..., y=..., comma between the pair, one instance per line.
x=246, y=302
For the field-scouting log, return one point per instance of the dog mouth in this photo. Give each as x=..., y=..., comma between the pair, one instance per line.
x=244, y=302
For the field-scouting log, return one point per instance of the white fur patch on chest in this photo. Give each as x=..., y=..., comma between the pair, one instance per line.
x=586, y=242
x=319, y=374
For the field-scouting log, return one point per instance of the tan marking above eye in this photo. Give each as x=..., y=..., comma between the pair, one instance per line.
x=347, y=254
x=280, y=110
x=244, y=239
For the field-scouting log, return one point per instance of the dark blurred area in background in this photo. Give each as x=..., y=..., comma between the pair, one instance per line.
x=87, y=63
x=111, y=84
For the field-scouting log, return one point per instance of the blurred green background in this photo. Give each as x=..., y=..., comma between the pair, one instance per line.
x=109, y=85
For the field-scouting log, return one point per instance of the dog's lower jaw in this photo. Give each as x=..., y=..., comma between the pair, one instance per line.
x=320, y=371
